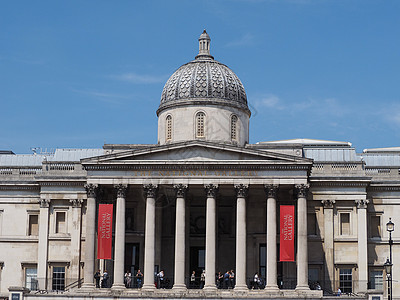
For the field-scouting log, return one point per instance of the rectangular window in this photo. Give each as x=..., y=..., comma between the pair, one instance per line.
x=376, y=280
x=61, y=222
x=375, y=226
x=33, y=227
x=262, y=259
x=345, y=223
x=312, y=224
x=346, y=280
x=58, y=281
x=31, y=282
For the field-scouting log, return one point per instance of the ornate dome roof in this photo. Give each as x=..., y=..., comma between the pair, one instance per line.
x=204, y=81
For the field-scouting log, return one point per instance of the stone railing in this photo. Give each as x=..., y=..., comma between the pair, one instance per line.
x=19, y=171
x=54, y=167
x=335, y=168
x=383, y=172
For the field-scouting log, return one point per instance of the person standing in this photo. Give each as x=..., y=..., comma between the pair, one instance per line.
x=104, y=283
x=202, y=279
x=97, y=276
x=193, y=280
x=139, y=277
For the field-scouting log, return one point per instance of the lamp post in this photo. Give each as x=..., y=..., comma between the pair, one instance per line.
x=389, y=263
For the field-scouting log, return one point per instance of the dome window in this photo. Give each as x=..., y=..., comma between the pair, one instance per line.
x=200, y=120
x=234, y=134
x=168, y=128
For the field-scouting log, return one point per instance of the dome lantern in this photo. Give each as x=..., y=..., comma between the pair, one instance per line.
x=204, y=46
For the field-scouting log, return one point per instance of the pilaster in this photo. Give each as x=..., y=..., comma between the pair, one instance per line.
x=43, y=243
x=362, y=245
x=329, y=244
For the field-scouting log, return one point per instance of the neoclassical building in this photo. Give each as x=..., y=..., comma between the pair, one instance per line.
x=202, y=198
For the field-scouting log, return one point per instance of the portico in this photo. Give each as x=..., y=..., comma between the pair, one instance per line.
x=204, y=204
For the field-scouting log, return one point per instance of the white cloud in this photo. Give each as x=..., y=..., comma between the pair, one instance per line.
x=104, y=97
x=139, y=78
x=270, y=101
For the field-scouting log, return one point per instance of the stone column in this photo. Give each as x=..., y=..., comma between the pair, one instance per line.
x=211, y=213
x=76, y=238
x=43, y=243
x=150, y=191
x=271, y=284
x=179, y=271
x=241, y=235
x=302, y=247
x=88, y=273
x=119, y=247
x=362, y=245
x=328, y=244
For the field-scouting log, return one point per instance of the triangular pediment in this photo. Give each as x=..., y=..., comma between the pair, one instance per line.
x=194, y=151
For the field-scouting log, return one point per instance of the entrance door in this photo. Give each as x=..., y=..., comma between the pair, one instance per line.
x=197, y=261
x=132, y=258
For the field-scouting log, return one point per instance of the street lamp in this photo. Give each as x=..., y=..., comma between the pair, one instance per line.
x=389, y=263
x=388, y=269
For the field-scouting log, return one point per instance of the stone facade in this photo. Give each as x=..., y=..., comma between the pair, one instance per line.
x=194, y=203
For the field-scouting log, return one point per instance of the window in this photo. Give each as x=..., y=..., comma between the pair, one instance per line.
x=375, y=226
x=31, y=282
x=61, y=222
x=168, y=128
x=33, y=226
x=376, y=280
x=263, y=261
x=312, y=224
x=345, y=223
x=200, y=120
x=346, y=280
x=234, y=120
x=58, y=281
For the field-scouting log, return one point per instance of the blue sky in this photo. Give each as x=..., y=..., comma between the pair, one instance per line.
x=78, y=74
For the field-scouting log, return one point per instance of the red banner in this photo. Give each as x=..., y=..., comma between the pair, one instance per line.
x=287, y=233
x=104, y=240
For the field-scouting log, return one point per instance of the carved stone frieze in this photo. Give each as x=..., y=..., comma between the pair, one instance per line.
x=242, y=190
x=121, y=190
x=91, y=190
x=76, y=202
x=211, y=190
x=362, y=203
x=180, y=190
x=150, y=190
x=271, y=190
x=302, y=190
x=44, y=203
x=328, y=203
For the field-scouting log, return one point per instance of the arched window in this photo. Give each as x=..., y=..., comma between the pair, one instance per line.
x=234, y=134
x=168, y=128
x=200, y=120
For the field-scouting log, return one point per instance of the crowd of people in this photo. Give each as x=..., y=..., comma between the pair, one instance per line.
x=226, y=280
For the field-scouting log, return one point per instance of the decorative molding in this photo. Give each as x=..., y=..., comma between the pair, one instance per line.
x=328, y=203
x=150, y=190
x=16, y=187
x=362, y=203
x=44, y=203
x=121, y=190
x=55, y=262
x=180, y=190
x=242, y=190
x=211, y=190
x=302, y=190
x=271, y=190
x=25, y=264
x=64, y=183
x=76, y=202
x=91, y=190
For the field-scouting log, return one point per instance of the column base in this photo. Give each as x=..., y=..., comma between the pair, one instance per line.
x=302, y=288
x=148, y=287
x=180, y=287
x=118, y=286
x=272, y=288
x=241, y=288
x=210, y=288
x=87, y=287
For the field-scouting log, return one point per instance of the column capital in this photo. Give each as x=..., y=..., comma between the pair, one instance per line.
x=180, y=190
x=91, y=190
x=150, y=190
x=328, y=203
x=121, y=190
x=211, y=190
x=362, y=203
x=302, y=190
x=44, y=203
x=242, y=190
x=271, y=190
x=76, y=202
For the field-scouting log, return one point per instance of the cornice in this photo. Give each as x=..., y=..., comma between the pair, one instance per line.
x=18, y=187
x=344, y=182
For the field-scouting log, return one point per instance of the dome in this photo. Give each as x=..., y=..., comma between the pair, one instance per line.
x=204, y=81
